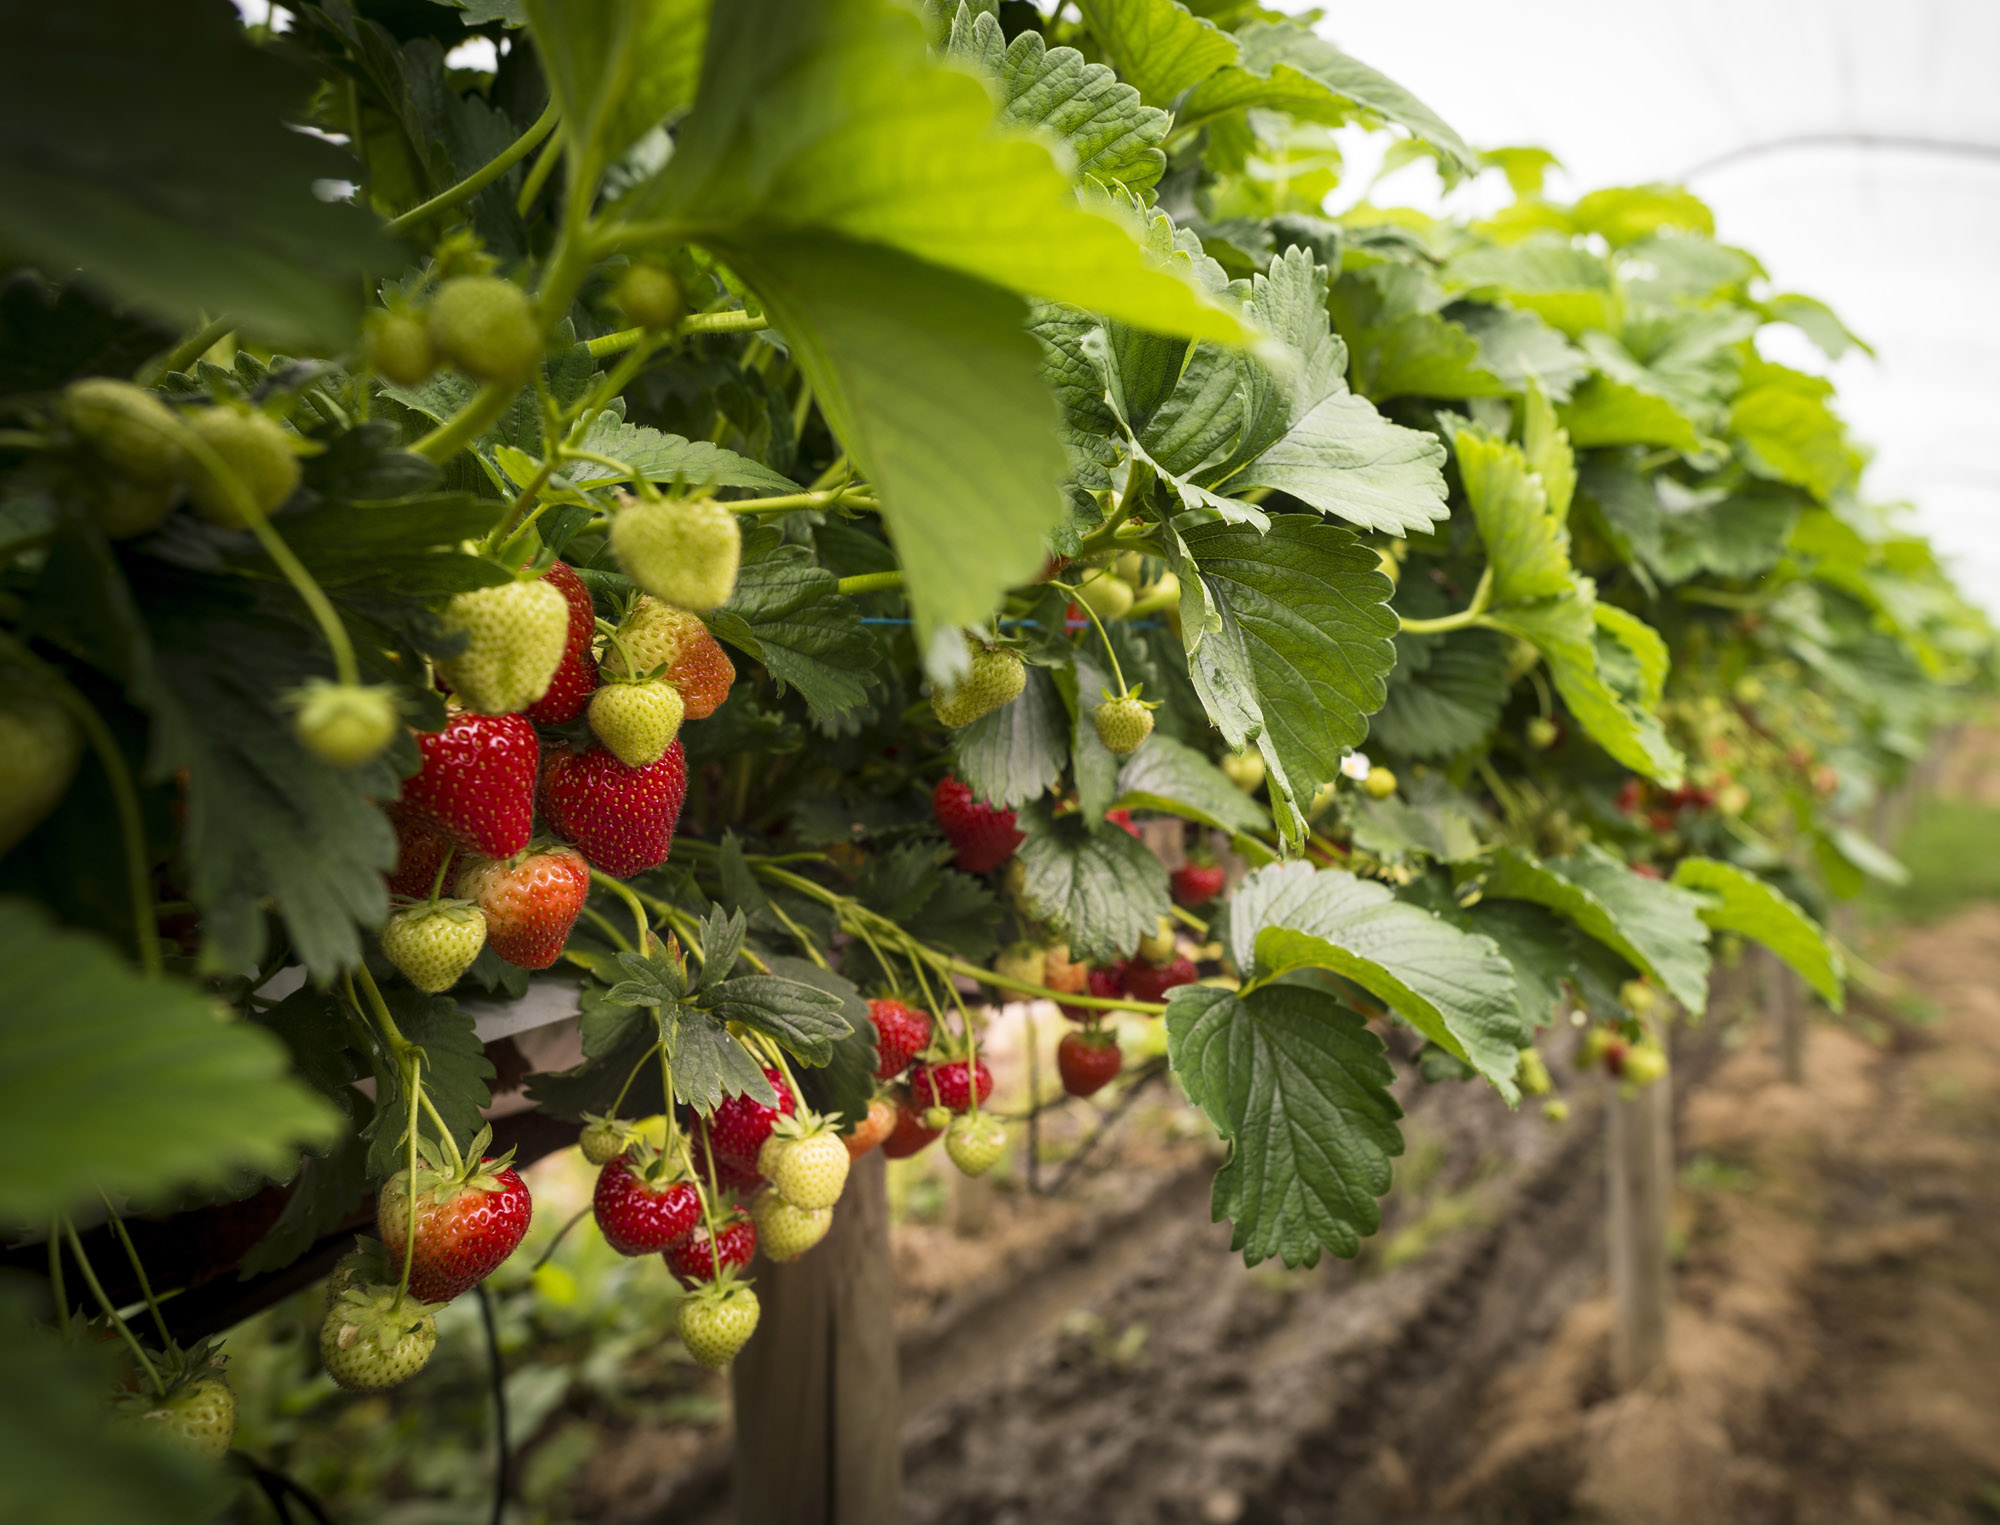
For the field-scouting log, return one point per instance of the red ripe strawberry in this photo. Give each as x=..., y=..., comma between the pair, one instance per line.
x=693, y=1259
x=1151, y=982
x=901, y=1033
x=530, y=902
x=622, y=818
x=909, y=1134
x=1647, y=871
x=477, y=785
x=1198, y=883
x=1630, y=793
x=1106, y=983
x=419, y=854
x=984, y=837
x=730, y=1179
x=466, y=1225
x=950, y=1085
x=1088, y=1061
x=740, y=1124
x=576, y=674
x=640, y=1213
x=1122, y=819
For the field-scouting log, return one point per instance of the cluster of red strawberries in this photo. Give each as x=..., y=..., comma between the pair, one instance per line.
x=614, y=802
x=687, y=1202
x=928, y=1091
x=1089, y=1059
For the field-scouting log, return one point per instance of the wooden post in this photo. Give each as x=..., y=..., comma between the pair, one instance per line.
x=1639, y=1152
x=817, y=1392
x=1788, y=1019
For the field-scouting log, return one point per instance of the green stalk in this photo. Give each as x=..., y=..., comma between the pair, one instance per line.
x=1042, y=992
x=617, y=887
x=1468, y=616
x=97, y=1291
x=792, y=502
x=184, y=354
x=1116, y=676
x=480, y=178
x=413, y=1078
x=138, y=1268
x=870, y=582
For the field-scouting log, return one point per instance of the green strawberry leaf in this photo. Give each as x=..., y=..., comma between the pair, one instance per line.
x=1565, y=631
x=1018, y=752
x=1303, y=650
x=805, y=1019
x=1541, y=948
x=1102, y=122
x=1170, y=776
x=1519, y=347
x=1158, y=46
x=96, y=1056
x=710, y=1062
x=455, y=1074
x=1287, y=66
x=1453, y=987
x=1299, y=1087
x=1527, y=540
x=845, y=1084
x=217, y=216
x=1451, y=704
x=1654, y=926
x=911, y=886
x=665, y=458
x=1101, y=885
x=788, y=613
x=1740, y=902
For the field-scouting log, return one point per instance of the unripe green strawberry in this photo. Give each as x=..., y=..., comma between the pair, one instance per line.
x=1026, y=962
x=431, y=945
x=124, y=508
x=1106, y=595
x=717, y=1321
x=485, y=326
x=1556, y=1111
x=1379, y=784
x=345, y=724
x=785, y=1231
x=1158, y=946
x=397, y=347
x=637, y=722
x=976, y=1142
x=683, y=550
x=605, y=1138
x=658, y=635
x=1645, y=1063
x=369, y=1345
x=1245, y=770
x=806, y=1164
x=650, y=296
x=258, y=453
x=39, y=747
x=997, y=677
x=518, y=633
x=1123, y=724
x=1543, y=733
x=198, y=1415
x=128, y=428
x=1532, y=1073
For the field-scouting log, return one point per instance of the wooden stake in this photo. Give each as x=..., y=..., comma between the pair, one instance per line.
x=1639, y=1154
x=1788, y=1018
x=817, y=1392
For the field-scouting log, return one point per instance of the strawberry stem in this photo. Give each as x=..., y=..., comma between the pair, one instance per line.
x=1116, y=676
x=480, y=178
x=413, y=1082
x=97, y=1291
x=437, y=883
x=619, y=1100
x=639, y=918
x=138, y=1267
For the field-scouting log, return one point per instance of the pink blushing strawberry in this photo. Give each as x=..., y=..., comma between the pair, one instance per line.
x=468, y=1222
x=530, y=902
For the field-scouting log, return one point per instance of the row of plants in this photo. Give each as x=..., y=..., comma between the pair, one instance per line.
x=734, y=512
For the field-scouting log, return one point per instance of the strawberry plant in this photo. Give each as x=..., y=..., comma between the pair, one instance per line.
x=738, y=508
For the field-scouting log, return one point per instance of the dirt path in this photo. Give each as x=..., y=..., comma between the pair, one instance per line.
x=1835, y=1354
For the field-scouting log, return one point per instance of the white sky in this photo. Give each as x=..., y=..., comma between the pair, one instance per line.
x=1904, y=244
